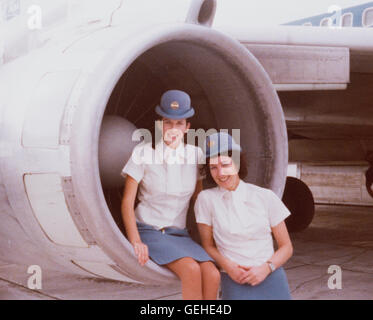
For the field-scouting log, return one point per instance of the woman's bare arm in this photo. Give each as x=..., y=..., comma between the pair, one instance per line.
x=285, y=247
x=128, y=215
x=257, y=274
x=233, y=269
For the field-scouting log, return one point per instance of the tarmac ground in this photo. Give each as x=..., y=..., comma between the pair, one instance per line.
x=333, y=260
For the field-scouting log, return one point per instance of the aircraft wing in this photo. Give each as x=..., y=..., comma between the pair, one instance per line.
x=324, y=78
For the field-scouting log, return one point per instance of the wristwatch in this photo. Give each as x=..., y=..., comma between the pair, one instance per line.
x=271, y=266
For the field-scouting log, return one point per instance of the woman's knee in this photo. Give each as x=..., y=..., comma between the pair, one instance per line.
x=192, y=267
x=187, y=268
x=210, y=271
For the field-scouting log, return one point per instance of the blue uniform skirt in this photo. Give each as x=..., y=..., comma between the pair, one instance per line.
x=274, y=287
x=170, y=244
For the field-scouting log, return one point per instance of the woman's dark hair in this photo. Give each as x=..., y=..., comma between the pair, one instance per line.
x=242, y=172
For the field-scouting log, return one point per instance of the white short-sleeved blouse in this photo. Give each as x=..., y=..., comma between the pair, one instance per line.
x=242, y=221
x=167, y=179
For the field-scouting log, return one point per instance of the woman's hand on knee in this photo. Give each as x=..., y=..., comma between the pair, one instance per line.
x=256, y=275
x=141, y=252
x=236, y=272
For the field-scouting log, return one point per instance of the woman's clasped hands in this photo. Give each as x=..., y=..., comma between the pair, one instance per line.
x=246, y=274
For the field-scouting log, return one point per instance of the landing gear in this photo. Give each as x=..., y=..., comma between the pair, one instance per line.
x=299, y=200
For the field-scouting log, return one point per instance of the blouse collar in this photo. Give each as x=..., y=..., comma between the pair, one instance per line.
x=239, y=191
x=168, y=152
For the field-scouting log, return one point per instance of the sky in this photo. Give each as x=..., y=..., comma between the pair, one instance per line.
x=230, y=13
x=273, y=12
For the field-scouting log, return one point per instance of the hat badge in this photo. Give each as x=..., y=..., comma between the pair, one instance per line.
x=174, y=105
x=211, y=143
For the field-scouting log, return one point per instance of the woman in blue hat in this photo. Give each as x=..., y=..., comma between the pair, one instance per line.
x=166, y=178
x=236, y=221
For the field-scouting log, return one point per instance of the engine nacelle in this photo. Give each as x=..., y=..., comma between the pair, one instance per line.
x=56, y=211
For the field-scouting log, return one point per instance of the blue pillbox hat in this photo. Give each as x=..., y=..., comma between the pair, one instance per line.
x=220, y=143
x=175, y=104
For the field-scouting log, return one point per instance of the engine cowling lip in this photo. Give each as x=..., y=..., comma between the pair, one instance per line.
x=87, y=184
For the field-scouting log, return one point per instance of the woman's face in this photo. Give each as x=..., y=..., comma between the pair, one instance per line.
x=174, y=130
x=224, y=172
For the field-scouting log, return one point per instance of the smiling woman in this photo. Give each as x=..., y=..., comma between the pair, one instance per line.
x=236, y=221
x=209, y=168
x=166, y=183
